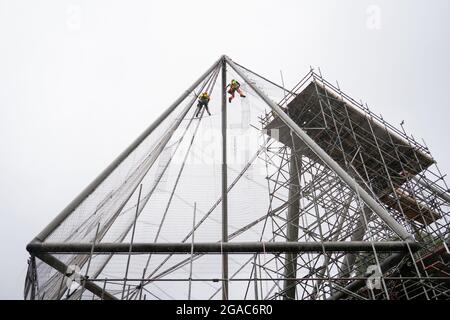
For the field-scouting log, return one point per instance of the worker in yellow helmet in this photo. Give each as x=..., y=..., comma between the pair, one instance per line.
x=234, y=86
x=203, y=101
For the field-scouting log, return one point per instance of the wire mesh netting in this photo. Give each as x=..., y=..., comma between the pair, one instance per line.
x=169, y=190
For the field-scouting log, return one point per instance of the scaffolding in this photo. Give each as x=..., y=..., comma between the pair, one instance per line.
x=301, y=194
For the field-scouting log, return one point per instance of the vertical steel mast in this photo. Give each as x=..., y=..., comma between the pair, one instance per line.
x=224, y=181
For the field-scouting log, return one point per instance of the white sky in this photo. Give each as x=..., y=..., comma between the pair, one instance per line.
x=79, y=80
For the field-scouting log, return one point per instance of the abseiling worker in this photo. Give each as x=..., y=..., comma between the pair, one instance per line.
x=203, y=101
x=234, y=86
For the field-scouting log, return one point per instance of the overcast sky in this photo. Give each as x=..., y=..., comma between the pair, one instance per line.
x=79, y=80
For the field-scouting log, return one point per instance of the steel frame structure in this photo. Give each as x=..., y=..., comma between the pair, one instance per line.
x=343, y=207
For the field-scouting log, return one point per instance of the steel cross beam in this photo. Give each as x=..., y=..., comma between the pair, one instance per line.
x=325, y=157
x=218, y=247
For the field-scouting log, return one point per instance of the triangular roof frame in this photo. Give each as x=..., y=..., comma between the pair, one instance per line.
x=43, y=250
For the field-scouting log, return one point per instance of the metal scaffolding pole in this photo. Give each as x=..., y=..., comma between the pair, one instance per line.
x=360, y=230
x=330, y=162
x=292, y=225
x=220, y=247
x=224, y=181
x=94, y=184
x=427, y=185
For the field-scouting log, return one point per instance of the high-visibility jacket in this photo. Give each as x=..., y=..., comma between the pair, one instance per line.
x=204, y=96
x=235, y=84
